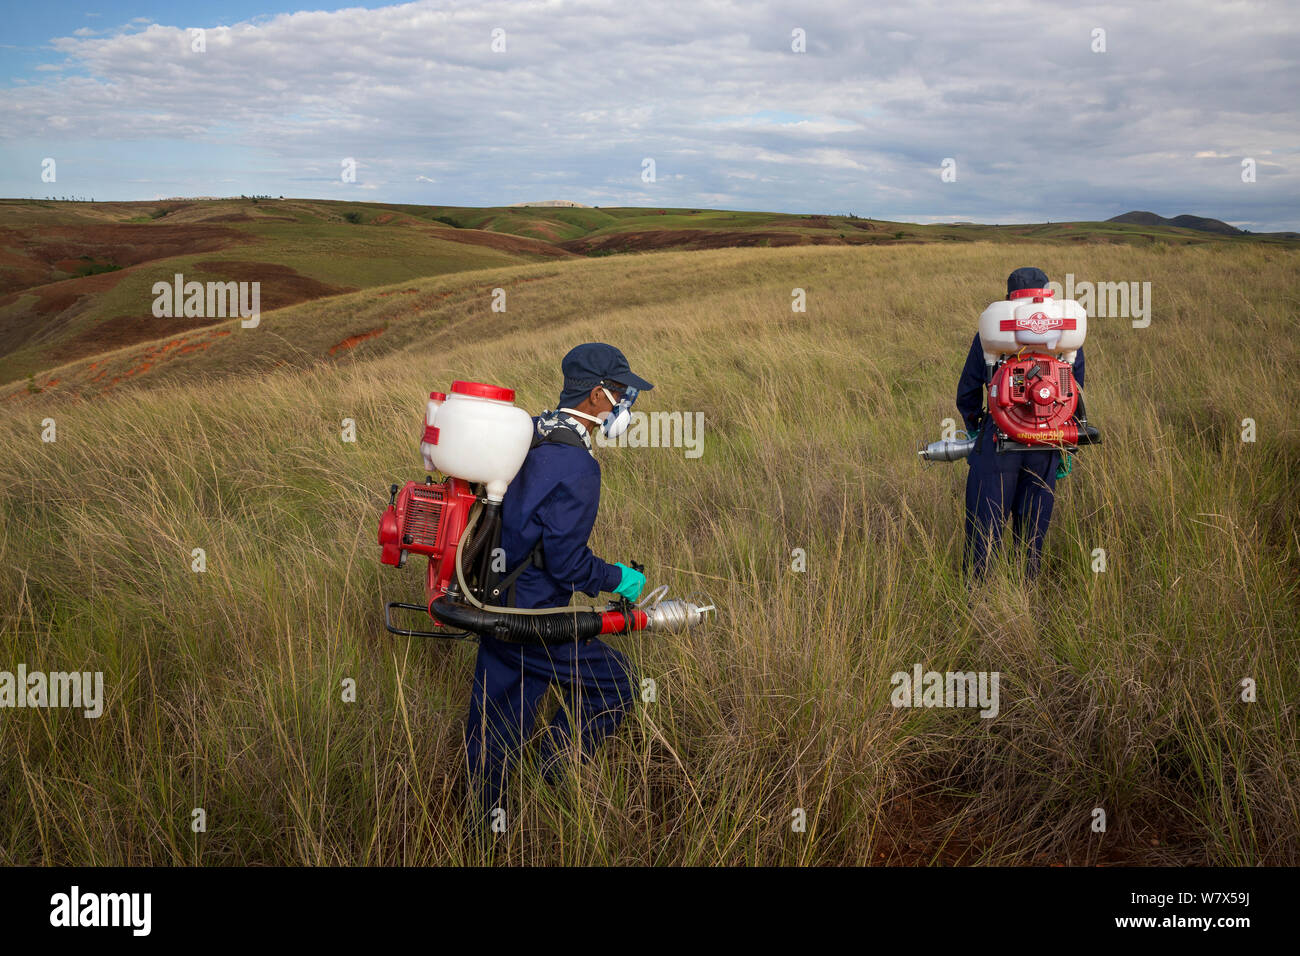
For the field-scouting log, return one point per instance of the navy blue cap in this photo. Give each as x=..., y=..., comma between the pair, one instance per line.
x=1026, y=278
x=591, y=363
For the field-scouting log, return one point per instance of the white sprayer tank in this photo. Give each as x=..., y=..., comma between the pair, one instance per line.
x=1040, y=324
x=478, y=434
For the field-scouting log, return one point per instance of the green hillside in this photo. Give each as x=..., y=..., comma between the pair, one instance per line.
x=77, y=277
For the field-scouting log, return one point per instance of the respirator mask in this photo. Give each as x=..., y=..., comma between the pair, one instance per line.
x=615, y=422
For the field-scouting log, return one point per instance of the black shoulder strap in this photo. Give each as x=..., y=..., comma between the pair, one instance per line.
x=506, y=585
x=561, y=434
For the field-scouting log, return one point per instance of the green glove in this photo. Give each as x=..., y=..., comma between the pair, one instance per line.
x=630, y=585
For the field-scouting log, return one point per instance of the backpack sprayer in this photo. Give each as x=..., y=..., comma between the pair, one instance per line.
x=1033, y=399
x=478, y=438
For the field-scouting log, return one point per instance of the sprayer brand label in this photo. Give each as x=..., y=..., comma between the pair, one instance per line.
x=55, y=689
x=1038, y=323
x=1049, y=436
x=922, y=688
x=75, y=908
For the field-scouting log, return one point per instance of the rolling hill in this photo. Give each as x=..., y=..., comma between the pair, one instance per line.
x=1197, y=223
x=76, y=278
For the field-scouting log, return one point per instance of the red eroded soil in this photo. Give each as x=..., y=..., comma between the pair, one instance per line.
x=547, y=231
x=503, y=241
x=52, y=307
x=47, y=251
x=811, y=222
x=245, y=217
x=279, y=286
x=122, y=330
x=143, y=362
x=19, y=271
x=352, y=341
x=163, y=351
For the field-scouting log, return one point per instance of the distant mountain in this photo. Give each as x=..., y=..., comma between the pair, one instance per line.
x=550, y=203
x=1199, y=223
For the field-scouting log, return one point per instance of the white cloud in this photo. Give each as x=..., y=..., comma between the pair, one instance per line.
x=584, y=91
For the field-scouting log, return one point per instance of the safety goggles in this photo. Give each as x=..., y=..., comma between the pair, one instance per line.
x=618, y=393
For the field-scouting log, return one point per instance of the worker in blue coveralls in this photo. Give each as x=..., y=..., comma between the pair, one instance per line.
x=546, y=518
x=1019, y=484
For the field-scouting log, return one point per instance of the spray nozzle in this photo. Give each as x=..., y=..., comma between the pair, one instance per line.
x=673, y=614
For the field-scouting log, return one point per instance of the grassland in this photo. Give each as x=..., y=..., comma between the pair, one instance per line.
x=76, y=279
x=1119, y=690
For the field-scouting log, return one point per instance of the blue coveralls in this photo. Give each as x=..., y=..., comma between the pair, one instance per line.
x=1019, y=483
x=553, y=499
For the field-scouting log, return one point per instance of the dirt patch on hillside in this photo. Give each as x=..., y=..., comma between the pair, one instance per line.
x=352, y=341
x=18, y=271
x=59, y=296
x=546, y=231
x=245, y=217
x=120, y=244
x=504, y=242
x=279, y=286
x=156, y=355
x=812, y=222
x=123, y=330
x=49, y=309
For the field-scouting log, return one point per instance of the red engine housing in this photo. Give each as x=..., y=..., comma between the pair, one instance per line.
x=427, y=519
x=1033, y=398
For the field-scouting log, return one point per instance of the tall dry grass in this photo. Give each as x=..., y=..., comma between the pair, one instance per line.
x=1119, y=690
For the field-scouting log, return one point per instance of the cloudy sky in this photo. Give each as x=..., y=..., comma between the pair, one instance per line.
x=572, y=98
